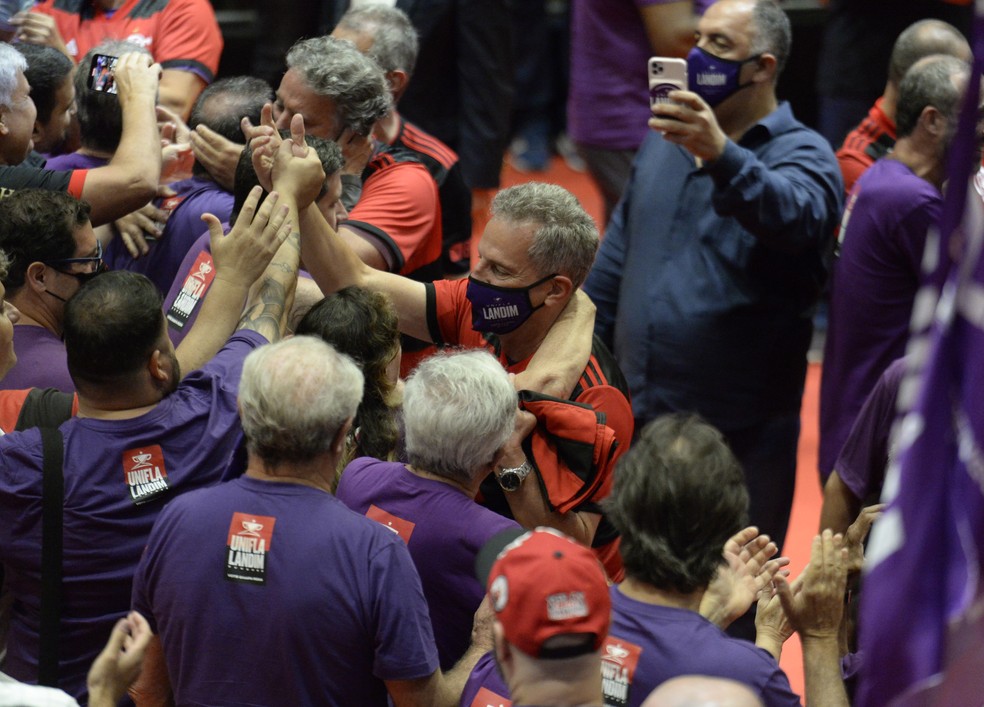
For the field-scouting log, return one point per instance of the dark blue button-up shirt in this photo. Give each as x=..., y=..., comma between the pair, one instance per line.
x=707, y=277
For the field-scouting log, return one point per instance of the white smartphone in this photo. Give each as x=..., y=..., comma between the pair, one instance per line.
x=666, y=74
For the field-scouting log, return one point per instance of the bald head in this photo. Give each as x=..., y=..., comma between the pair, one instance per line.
x=702, y=691
x=922, y=39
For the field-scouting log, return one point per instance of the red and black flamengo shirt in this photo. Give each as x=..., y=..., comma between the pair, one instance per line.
x=179, y=34
x=602, y=386
x=455, y=196
x=399, y=206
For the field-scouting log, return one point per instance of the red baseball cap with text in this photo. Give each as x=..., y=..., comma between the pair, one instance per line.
x=543, y=584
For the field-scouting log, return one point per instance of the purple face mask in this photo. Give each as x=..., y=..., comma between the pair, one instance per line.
x=713, y=78
x=500, y=310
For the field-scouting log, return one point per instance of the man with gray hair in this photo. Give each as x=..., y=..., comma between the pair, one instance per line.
x=130, y=178
x=713, y=261
x=343, y=618
x=535, y=253
x=874, y=137
x=341, y=94
x=878, y=269
x=459, y=410
x=386, y=35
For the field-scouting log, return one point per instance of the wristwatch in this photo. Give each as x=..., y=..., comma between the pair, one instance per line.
x=512, y=479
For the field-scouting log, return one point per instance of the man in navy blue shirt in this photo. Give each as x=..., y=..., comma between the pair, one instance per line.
x=707, y=277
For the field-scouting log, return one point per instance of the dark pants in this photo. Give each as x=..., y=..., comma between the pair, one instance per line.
x=767, y=453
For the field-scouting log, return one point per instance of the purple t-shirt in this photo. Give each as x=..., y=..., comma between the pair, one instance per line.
x=648, y=645
x=118, y=476
x=608, y=99
x=485, y=684
x=75, y=160
x=195, y=196
x=874, y=282
x=41, y=361
x=273, y=593
x=444, y=530
x=185, y=294
x=865, y=456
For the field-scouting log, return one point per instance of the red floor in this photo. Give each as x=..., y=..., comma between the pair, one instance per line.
x=806, y=503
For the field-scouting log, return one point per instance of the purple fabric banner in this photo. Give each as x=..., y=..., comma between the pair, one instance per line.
x=920, y=603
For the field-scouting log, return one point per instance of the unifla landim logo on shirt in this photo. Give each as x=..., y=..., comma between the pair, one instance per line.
x=250, y=537
x=144, y=473
x=618, y=665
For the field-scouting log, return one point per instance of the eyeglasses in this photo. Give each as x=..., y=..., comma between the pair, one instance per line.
x=95, y=262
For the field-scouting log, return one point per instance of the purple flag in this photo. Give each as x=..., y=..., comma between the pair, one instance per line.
x=920, y=600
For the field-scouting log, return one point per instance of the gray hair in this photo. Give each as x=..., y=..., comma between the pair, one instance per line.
x=566, y=238
x=395, y=42
x=458, y=409
x=773, y=33
x=335, y=69
x=921, y=39
x=294, y=397
x=928, y=83
x=11, y=61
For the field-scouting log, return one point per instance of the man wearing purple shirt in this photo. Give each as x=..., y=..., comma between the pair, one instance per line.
x=882, y=239
x=53, y=251
x=144, y=434
x=189, y=289
x=297, y=600
x=458, y=412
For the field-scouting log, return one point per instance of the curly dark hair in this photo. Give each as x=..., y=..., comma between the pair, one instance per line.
x=679, y=494
x=363, y=325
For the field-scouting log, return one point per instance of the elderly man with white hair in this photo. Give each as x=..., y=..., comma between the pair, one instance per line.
x=459, y=411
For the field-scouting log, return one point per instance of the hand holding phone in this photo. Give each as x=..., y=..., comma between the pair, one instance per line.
x=666, y=74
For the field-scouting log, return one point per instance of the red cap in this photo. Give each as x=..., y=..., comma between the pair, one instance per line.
x=543, y=585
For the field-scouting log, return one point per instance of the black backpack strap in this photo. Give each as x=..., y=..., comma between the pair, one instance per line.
x=45, y=407
x=53, y=490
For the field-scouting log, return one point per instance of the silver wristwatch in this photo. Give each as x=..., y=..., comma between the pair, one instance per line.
x=512, y=479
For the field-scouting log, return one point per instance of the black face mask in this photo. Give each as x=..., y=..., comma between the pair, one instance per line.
x=82, y=277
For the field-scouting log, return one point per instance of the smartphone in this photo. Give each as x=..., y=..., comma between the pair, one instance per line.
x=102, y=73
x=666, y=74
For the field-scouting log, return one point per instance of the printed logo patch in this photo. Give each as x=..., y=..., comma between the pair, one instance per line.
x=566, y=605
x=618, y=665
x=144, y=473
x=487, y=698
x=403, y=528
x=249, y=542
x=195, y=286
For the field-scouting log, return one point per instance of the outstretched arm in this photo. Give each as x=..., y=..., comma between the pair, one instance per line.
x=297, y=176
x=240, y=258
x=130, y=179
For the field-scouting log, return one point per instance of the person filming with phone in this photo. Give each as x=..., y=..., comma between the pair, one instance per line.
x=711, y=266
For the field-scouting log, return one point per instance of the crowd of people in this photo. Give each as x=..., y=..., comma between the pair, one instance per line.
x=558, y=474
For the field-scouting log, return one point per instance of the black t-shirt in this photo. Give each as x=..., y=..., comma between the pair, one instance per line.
x=14, y=178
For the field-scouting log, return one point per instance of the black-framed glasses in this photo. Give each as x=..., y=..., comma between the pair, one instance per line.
x=96, y=261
